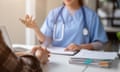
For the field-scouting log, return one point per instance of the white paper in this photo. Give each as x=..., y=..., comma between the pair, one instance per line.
x=96, y=55
x=60, y=50
x=20, y=47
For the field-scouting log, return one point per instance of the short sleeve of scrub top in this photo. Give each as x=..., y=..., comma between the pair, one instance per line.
x=47, y=26
x=97, y=30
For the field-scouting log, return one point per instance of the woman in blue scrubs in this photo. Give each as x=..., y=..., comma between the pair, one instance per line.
x=72, y=25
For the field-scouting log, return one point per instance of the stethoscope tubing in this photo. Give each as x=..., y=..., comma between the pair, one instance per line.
x=85, y=28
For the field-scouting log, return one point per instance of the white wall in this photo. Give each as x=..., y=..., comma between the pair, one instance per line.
x=10, y=12
x=40, y=11
x=37, y=9
x=53, y=4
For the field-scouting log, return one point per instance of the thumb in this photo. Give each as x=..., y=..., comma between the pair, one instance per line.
x=23, y=21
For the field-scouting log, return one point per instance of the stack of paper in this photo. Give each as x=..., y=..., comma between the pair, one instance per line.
x=60, y=50
x=93, y=57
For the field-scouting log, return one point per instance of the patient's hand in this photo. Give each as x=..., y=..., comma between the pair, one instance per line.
x=28, y=21
x=41, y=53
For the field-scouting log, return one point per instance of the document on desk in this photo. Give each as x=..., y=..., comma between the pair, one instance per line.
x=60, y=50
x=100, y=55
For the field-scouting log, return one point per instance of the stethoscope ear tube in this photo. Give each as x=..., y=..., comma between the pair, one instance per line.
x=56, y=18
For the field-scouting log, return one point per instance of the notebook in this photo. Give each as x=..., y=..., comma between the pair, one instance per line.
x=96, y=58
x=61, y=51
x=100, y=55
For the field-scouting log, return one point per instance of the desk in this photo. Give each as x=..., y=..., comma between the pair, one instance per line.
x=59, y=63
x=115, y=68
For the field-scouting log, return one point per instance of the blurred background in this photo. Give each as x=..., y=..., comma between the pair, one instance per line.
x=12, y=10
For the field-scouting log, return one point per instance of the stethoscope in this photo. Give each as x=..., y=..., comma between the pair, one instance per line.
x=85, y=29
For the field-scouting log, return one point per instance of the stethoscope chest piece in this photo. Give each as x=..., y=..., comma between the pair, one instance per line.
x=85, y=31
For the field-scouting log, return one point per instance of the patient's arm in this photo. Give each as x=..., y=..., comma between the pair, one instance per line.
x=22, y=53
x=41, y=53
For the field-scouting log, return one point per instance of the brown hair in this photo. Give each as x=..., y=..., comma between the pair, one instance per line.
x=32, y=62
x=81, y=2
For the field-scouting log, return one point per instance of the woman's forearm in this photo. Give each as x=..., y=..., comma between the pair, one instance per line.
x=98, y=45
x=92, y=46
x=41, y=37
x=44, y=40
x=86, y=46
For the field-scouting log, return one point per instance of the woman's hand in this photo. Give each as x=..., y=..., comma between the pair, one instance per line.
x=41, y=53
x=72, y=47
x=29, y=22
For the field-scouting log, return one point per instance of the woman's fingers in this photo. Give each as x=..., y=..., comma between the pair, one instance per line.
x=22, y=20
x=30, y=18
x=26, y=17
x=34, y=21
x=28, y=21
x=72, y=47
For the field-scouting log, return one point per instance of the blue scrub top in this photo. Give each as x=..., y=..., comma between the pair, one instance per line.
x=73, y=32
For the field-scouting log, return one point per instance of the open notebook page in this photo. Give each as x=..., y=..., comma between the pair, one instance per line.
x=60, y=50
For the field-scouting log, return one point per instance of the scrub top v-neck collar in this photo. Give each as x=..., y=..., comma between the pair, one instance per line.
x=70, y=17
